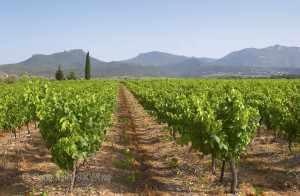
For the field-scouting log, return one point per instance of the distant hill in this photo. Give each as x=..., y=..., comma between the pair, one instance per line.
x=160, y=58
x=193, y=68
x=274, y=56
x=73, y=58
x=46, y=65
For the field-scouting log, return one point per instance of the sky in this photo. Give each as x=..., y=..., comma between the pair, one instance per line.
x=121, y=29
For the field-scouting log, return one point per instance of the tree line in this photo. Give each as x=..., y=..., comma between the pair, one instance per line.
x=59, y=75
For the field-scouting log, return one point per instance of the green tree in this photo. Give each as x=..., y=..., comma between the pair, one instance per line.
x=59, y=74
x=72, y=76
x=88, y=67
x=11, y=79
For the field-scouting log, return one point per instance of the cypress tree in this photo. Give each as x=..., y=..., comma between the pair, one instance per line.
x=88, y=67
x=59, y=74
x=72, y=76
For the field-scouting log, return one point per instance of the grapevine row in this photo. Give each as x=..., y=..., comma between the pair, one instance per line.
x=220, y=117
x=73, y=116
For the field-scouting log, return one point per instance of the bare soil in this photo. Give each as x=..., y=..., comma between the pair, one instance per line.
x=160, y=166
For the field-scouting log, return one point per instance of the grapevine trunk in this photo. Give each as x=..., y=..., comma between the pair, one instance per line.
x=233, y=189
x=290, y=145
x=213, y=166
x=222, y=172
x=74, y=172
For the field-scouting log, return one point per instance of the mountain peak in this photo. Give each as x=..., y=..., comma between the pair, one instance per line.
x=76, y=51
x=161, y=58
x=35, y=55
x=277, y=47
x=273, y=56
x=153, y=52
x=156, y=58
x=72, y=51
x=73, y=57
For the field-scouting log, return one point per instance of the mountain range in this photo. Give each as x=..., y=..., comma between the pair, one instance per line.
x=46, y=65
x=273, y=60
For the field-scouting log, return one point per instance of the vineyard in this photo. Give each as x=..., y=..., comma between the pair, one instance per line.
x=164, y=136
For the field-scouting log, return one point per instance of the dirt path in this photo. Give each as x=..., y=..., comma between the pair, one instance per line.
x=142, y=143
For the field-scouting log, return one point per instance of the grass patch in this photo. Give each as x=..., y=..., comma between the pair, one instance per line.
x=123, y=164
x=174, y=163
x=132, y=178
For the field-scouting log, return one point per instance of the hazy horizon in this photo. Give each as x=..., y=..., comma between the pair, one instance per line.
x=118, y=30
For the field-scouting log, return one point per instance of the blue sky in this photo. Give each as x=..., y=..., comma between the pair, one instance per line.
x=120, y=29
